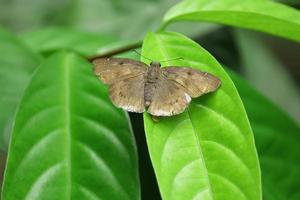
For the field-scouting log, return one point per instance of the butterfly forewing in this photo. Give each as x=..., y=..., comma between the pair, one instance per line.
x=111, y=70
x=169, y=98
x=195, y=82
x=129, y=94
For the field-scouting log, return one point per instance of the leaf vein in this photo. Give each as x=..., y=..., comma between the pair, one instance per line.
x=104, y=167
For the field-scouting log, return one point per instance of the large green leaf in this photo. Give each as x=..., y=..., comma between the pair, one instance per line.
x=279, y=85
x=277, y=139
x=85, y=43
x=17, y=63
x=207, y=152
x=289, y=2
x=265, y=16
x=69, y=141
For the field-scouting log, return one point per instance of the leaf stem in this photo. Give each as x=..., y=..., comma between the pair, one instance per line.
x=117, y=51
x=162, y=27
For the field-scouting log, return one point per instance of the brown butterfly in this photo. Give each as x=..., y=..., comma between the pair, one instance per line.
x=135, y=86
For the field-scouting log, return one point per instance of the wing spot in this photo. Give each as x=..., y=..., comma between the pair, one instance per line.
x=187, y=98
x=147, y=103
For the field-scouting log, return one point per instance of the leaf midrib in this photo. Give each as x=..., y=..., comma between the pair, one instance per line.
x=201, y=155
x=237, y=8
x=175, y=18
x=164, y=52
x=67, y=101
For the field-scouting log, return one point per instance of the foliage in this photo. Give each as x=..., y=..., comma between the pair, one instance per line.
x=194, y=154
x=277, y=139
x=69, y=142
x=17, y=64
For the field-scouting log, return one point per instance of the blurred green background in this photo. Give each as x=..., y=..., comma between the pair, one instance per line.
x=270, y=64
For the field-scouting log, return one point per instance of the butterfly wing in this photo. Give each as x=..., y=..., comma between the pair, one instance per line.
x=129, y=93
x=168, y=99
x=195, y=82
x=111, y=70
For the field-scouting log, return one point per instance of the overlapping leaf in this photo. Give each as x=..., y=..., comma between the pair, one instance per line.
x=69, y=141
x=265, y=16
x=207, y=152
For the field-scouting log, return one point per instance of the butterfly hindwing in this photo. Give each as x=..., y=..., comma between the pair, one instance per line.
x=111, y=70
x=169, y=98
x=195, y=82
x=129, y=94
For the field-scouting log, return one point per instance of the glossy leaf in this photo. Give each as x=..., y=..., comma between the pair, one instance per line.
x=289, y=2
x=17, y=64
x=277, y=139
x=207, y=152
x=283, y=90
x=85, y=43
x=266, y=16
x=69, y=141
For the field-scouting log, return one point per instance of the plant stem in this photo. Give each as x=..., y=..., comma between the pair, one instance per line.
x=116, y=51
x=162, y=27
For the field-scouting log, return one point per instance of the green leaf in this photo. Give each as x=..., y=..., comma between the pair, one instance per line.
x=85, y=43
x=289, y=2
x=261, y=64
x=69, y=141
x=207, y=152
x=265, y=16
x=17, y=63
x=277, y=139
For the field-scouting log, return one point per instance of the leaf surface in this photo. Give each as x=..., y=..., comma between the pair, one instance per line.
x=277, y=139
x=207, y=152
x=266, y=16
x=83, y=42
x=17, y=64
x=69, y=141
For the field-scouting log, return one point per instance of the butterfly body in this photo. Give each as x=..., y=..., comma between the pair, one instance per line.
x=136, y=87
x=153, y=75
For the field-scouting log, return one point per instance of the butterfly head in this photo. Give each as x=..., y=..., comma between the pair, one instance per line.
x=155, y=64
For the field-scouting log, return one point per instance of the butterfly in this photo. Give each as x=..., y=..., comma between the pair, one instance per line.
x=137, y=87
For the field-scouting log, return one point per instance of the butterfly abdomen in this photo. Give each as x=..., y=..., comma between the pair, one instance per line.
x=149, y=91
x=151, y=84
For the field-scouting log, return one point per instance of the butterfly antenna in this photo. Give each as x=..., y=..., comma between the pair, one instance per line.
x=179, y=58
x=142, y=55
